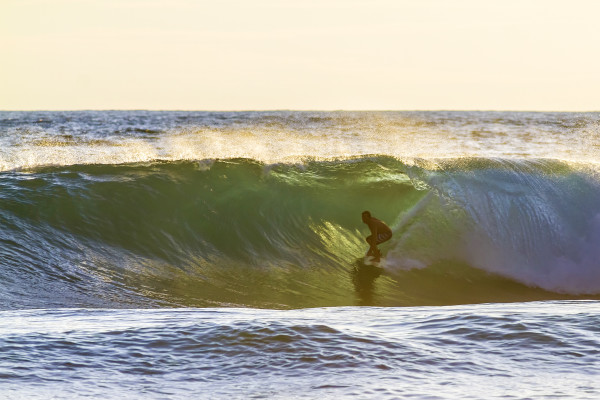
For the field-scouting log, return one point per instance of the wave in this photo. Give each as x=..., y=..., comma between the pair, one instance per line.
x=242, y=232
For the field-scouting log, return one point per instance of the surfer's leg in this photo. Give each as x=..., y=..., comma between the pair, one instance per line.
x=375, y=253
x=373, y=250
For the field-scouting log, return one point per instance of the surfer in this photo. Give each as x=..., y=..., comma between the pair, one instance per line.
x=380, y=233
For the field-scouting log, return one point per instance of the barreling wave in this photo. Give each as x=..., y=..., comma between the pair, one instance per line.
x=242, y=232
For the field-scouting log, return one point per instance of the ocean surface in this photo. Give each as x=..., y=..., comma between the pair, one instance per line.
x=220, y=255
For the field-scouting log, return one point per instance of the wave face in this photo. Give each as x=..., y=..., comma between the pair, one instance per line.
x=243, y=232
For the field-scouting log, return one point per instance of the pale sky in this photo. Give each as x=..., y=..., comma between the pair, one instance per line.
x=300, y=54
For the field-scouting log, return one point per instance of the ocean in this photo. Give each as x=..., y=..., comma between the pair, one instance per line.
x=220, y=255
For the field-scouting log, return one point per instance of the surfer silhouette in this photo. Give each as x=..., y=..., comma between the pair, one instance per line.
x=380, y=233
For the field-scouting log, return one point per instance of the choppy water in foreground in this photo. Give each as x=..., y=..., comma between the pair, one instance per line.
x=220, y=255
x=533, y=350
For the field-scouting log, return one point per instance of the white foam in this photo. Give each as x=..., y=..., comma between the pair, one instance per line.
x=538, y=229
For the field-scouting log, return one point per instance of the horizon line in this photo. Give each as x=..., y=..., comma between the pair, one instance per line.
x=296, y=110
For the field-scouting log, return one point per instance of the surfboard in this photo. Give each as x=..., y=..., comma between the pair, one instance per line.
x=372, y=261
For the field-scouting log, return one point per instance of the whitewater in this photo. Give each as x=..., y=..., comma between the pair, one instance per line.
x=148, y=254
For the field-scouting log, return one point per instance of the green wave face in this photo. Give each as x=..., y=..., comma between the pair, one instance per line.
x=239, y=232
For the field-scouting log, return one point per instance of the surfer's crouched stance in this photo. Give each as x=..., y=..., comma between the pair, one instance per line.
x=380, y=233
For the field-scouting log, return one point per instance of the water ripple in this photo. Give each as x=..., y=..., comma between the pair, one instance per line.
x=420, y=352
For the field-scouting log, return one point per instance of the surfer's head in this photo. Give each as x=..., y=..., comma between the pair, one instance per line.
x=366, y=215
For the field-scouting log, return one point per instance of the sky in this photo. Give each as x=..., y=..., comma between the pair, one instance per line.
x=300, y=54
